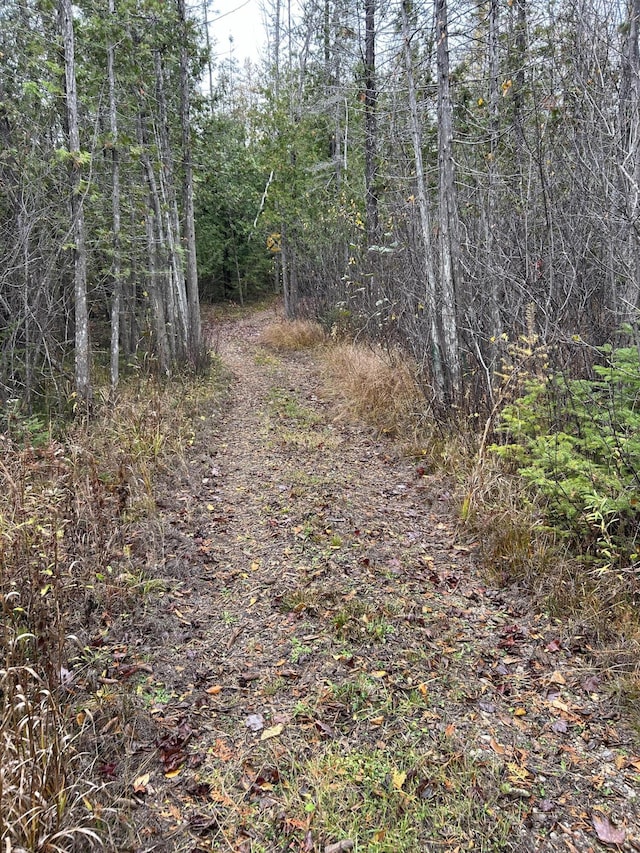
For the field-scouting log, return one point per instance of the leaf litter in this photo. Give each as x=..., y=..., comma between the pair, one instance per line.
x=329, y=671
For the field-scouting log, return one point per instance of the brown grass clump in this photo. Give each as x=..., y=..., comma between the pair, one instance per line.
x=375, y=386
x=290, y=335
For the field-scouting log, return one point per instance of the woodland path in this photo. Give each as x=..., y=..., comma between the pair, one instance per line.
x=329, y=665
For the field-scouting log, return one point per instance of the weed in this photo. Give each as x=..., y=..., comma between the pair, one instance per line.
x=299, y=650
x=358, y=619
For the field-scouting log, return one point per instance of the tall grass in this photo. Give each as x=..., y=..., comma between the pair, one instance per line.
x=376, y=386
x=290, y=335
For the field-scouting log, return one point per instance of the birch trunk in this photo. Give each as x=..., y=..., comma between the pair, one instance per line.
x=448, y=220
x=189, y=232
x=116, y=297
x=82, y=351
x=370, y=122
x=431, y=284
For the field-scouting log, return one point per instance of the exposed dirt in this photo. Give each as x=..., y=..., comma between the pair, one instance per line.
x=327, y=664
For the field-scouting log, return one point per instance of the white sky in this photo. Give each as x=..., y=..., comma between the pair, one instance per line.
x=242, y=19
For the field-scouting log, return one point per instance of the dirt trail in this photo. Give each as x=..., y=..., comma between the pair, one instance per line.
x=328, y=665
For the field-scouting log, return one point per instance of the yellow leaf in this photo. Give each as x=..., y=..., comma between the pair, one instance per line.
x=379, y=673
x=377, y=721
x=398, y=779
x=274, y=731
x=210, y=507
x=520, y=712
x=255, y=566
x=423, y=689
x=171, y=774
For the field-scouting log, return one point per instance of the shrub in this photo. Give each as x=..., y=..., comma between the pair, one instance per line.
x=576, y=442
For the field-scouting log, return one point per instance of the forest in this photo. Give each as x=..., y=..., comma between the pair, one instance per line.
x=320, y=427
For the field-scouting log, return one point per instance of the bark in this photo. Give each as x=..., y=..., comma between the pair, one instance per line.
x=189, y=232
x=82, y=350
x=370, y=122
x=628, y=301
x=448, y=216
x=491, y=224
x=116, y=297
x=430, y=296
x=178, y=295
x=157, y=264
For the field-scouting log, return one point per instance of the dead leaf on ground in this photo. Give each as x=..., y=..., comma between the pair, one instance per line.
x=273, y=731
x=606, y=831
x=255, y=722
x=140, y=784
x=339, y=846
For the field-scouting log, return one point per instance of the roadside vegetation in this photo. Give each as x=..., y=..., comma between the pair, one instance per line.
x=549, y=483
x=80, y=549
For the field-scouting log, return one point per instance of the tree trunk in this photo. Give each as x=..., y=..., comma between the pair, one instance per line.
x=431, y=284
x=370, y=122
x=448, y=216
x=172, y=215
x=116, y=297
x=82, y=351
x=628, y=300
x=189, y=231
x=492, y=271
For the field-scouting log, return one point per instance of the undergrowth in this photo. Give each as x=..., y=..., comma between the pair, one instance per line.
x=554, y=503
x=65, y=509
x=290, y=335
x=376, y=386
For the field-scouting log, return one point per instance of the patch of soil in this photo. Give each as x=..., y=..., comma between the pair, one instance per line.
x=322, y=619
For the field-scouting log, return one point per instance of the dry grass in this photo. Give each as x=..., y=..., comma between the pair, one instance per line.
x=66, y=509
x=290, y=335
x=377, y=387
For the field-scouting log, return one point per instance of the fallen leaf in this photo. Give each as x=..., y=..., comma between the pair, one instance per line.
x=554, y=646
x=423, y=689
x=273, y=731
x=606, y=831
x=140, y=784
x=339, y=846
x=377, y=721
x=520, y=712
x=498, y=748
x=213, y=691
x=171, y=774
x=398, y=779
x=557, y=678
x=591, y=684
x=255, y=722
x=560, y=727
x=448, y=732
x=379, y=673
